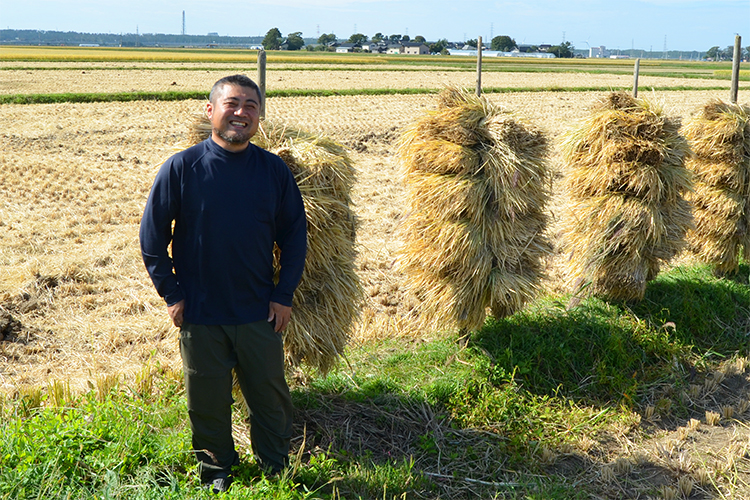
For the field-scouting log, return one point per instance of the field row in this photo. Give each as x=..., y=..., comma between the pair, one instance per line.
x=111, y=81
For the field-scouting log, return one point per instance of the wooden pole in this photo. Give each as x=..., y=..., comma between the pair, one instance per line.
x=736, y=68
x=262, y=82
x=479, y=67
x=636, y=70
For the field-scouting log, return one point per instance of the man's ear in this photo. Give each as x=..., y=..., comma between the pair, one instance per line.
x=209, y=109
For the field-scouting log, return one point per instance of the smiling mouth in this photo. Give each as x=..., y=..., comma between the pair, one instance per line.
x=238, y=124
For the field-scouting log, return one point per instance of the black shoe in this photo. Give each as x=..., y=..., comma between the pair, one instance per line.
x=219, y=483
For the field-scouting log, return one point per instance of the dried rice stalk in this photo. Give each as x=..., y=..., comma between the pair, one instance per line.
x=626, y=182
x=328, y=299
x=719, y=138
x=473, y=237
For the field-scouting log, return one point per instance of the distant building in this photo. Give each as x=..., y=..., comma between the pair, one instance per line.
x=416, y=48
x=347, y=47
x=213, y=33
x=413, y=48
x=375, y=47
x=495, y=53
x=599, y=52
x=394, y=48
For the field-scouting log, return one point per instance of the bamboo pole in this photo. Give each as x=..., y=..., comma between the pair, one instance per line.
x=636, y=70
x=262, y=81
x=479, y=67
x=736, y=68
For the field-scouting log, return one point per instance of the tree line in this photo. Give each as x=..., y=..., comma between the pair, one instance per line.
x=717, y=54
x=294, y=41
x=44, y=37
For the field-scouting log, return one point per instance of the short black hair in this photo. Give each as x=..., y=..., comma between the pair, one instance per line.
x=241, y=80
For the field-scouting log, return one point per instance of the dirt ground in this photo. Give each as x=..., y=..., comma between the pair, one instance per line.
x=77, y=305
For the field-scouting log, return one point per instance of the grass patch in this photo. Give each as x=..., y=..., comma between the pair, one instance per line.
x=506, y=415
x=101, y=97
x=607, y=352
x=202, y=95
x=93, y=445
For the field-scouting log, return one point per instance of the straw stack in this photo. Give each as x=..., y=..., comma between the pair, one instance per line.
x=626, y=182
x=474, y=235
x=328, y=298
x=719, y=138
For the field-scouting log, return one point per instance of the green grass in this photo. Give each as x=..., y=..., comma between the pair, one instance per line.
x=184, y=95
x=422, y=418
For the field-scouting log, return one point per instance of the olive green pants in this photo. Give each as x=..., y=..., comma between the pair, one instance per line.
x=256, y=353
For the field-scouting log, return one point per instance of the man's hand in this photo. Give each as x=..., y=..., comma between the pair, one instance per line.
x=175, y=312
x=281, y=314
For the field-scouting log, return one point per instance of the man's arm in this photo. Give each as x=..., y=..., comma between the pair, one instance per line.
x=291, y=238
x=155, y=233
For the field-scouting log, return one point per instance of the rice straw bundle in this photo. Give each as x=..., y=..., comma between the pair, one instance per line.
x=328, y=298
x=626, y=183
x=719, y=138
x=477, y=185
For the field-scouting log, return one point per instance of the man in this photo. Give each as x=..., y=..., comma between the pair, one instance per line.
x=230, y=201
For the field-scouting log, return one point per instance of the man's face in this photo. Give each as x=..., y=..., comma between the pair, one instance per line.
x=234, y=116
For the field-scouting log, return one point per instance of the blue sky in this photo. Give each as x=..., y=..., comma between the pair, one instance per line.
x=645, y=24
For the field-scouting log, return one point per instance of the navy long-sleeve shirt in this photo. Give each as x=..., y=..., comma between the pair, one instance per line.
x=228, y=210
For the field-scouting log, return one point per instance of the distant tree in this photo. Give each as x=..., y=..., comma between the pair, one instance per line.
x=394, y=38
x=472, y=43
x=713, y=53
x=439, y=46
x=729, y=53
x=326, y=38
x=272, y=40
x=747, y=53
x=563, y=50
x=294, y=41
x=405, y=38
x=503, y=43
x=420, y=39
x=378, y=37
x=358, y=38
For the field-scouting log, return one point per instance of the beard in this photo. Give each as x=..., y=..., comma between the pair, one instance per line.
x=233, y=137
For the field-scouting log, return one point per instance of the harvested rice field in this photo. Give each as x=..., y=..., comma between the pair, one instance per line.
x=26, y=81
x=74, y=179
x=75, y=300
